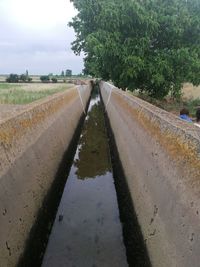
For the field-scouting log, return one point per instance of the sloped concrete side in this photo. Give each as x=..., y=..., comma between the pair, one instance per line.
x=160, y=155
x=32, y=145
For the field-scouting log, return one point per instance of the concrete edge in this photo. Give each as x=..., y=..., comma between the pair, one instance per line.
x=31, y=149
x=160, y=157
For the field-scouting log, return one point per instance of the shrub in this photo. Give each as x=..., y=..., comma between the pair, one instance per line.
x=54, y=80
x=13, y=78
x=23, y=78
x=45, y=78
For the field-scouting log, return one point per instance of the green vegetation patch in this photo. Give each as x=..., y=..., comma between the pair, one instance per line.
x=8, y=86
x=12, y=94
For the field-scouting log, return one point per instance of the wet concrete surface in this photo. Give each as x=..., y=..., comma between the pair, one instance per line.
x=87, y=231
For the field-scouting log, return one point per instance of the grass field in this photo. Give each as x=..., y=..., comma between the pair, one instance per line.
x=28, y=92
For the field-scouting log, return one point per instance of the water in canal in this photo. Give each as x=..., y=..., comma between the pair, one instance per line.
x=87, y=231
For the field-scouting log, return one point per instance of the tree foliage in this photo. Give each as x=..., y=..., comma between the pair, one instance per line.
x=15, y=78
x=23, y=77
x=45, y=78
x=151, y=45
x=54, y=80
x=68, y=73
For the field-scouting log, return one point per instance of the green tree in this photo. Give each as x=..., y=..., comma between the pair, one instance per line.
x=150, y=45
x=54, y=80
x=45, y=79
x=68, y=73
x=13, y=78
x=23, y=77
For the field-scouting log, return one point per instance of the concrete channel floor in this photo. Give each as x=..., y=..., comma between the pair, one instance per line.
x=87, y=231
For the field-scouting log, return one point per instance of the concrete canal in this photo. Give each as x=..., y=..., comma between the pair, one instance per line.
x=87, y=229
x=95, y=224
x=99, y=189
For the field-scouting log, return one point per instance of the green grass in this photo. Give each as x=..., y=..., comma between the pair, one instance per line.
x=192, y=106
x=19, y=96
x=8, y=86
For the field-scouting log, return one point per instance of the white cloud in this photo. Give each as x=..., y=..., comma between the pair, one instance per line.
x=41, y=43
x=41, y=62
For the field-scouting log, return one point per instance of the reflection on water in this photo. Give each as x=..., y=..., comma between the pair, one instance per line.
x=87, y=230
x=93, y=155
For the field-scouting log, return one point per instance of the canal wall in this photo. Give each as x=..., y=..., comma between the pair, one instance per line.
x=32, y=144
x=160, y=155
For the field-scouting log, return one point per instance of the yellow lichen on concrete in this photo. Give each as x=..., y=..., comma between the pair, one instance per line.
x=180, y=148
x=15, y=127
x=160, y=155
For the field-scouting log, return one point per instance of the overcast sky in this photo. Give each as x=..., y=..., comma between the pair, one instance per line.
x=34, y=35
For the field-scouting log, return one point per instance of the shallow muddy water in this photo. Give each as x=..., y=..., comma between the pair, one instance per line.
x=87, y=231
